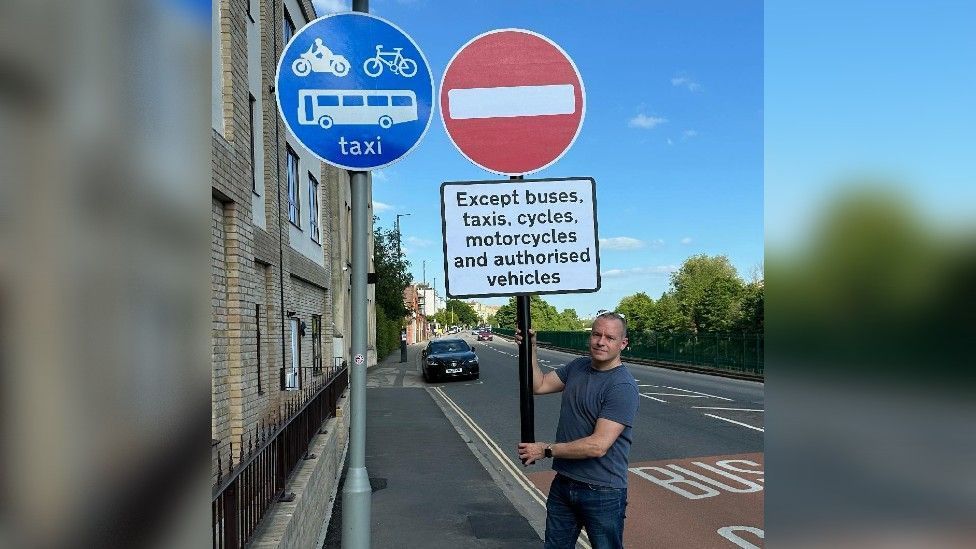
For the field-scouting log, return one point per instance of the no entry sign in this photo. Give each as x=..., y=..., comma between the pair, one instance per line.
x=512, y=101
x=535, y=236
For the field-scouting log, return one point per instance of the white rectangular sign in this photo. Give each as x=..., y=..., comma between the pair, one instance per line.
x=531, y=236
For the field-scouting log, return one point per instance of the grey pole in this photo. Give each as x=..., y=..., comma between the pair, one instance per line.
x=356, y=492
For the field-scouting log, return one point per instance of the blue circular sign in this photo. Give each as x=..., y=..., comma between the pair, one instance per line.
x=355, y=90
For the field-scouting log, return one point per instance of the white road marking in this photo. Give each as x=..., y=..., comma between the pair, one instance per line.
x=678, y=395
x=653, y=398
x=731, y=409
x=696, y=392
x=736, y=422
x=639, y=385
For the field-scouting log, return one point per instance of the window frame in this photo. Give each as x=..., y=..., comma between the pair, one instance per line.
x=313, y=208
x=252, y=103
x=294, y=195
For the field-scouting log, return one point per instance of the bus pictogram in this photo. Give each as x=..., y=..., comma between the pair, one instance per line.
x=382, y=108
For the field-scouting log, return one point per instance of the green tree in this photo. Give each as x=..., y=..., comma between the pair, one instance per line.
x=392, y=276
x=709, y=293
x=639, y=311
x=545, y=317
x=753, y=316
x=570, y=321
x=459, y=312
x=505, y=316
x=668, y=316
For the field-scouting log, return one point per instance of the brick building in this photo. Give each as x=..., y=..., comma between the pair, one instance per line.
x=281, y=240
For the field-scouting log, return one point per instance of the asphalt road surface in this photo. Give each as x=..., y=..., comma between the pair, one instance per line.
x=696, y=464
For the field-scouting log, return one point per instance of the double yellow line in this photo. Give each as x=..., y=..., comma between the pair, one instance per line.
x=518, y=475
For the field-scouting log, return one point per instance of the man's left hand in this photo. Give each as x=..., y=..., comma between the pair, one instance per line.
x=530, y=452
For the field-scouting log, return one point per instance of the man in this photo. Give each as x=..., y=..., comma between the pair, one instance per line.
x=599, y=404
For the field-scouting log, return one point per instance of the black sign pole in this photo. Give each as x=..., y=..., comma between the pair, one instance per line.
x=526, y=404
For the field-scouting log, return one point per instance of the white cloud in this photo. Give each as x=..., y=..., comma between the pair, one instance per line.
x=620, y=243
x=686, y=240
x=645, y=122
x=685, y=82
x=637, y=272
x=657, y=243
x=380, y=175
x=418, y=242
x=324, y=7
x=670, y=142
x=379, y=207
x=688, y=134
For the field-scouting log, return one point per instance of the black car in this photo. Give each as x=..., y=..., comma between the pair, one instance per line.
x=449, y=358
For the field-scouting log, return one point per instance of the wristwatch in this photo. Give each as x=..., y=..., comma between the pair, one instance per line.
x=549, y=451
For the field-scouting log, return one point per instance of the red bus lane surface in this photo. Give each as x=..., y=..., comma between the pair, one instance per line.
x=714, y=501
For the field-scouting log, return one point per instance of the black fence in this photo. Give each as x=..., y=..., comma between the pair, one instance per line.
x=269, y=456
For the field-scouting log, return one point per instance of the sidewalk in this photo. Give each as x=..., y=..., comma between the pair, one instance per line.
x=429, y=490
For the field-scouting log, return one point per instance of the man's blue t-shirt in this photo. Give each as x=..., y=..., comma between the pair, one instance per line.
x=589, y=395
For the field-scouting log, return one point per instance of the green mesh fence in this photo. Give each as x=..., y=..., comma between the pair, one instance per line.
x=727, y=351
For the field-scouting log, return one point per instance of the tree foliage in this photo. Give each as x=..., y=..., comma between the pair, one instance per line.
x=392, y=277
x=639, y=311
x=709, y=293
x=706, y=295
x=544, y=316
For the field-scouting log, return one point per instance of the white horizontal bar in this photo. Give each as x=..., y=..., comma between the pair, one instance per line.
x=508, y=102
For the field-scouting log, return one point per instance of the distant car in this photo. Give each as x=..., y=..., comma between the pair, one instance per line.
x=484, y=335
x=475, y=332
x=449, y=358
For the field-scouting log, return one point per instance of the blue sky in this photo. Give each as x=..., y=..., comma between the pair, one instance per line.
x=882, y=90
x=673, y=132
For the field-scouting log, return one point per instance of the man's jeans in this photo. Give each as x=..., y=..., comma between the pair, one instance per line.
x=573, y=505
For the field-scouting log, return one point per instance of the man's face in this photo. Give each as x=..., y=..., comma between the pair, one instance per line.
x=606, y=340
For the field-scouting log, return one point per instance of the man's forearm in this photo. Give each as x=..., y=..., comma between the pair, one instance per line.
x=581, y=448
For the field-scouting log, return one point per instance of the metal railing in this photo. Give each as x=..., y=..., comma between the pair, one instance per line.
x=243, y=495
x=738, y=352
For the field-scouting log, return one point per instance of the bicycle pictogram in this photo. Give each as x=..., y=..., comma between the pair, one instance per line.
x=398, y=64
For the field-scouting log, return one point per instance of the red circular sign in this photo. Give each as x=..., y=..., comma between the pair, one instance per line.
x=512, y=101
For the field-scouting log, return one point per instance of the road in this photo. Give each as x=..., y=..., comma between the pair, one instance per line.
x=696, y=462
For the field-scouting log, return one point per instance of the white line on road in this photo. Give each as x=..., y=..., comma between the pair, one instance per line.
x=639, y=385
x=653, y=398
x=696, y=392
x=736, y=422
x=677, y=395
x=732, y=409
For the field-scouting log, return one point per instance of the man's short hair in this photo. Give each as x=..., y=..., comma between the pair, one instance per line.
x=612, y=315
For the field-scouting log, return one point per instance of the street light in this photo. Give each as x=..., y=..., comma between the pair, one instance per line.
x=398, y=216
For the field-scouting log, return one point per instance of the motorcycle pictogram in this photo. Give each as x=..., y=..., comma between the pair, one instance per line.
x=319, y=58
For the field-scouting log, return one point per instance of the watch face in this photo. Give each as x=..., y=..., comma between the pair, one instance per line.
x=548, y=452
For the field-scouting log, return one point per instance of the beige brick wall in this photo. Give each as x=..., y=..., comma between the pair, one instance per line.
x=256, y=266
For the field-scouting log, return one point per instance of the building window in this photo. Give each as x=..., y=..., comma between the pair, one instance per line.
x=316, y=344
x=254, y=137
x=313, y=207
x=257, y=322
x=293, y=206
x=288, y=29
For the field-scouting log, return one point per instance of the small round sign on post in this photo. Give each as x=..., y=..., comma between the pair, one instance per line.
x=512, y=101
x=360, y=359
x=355, y=90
